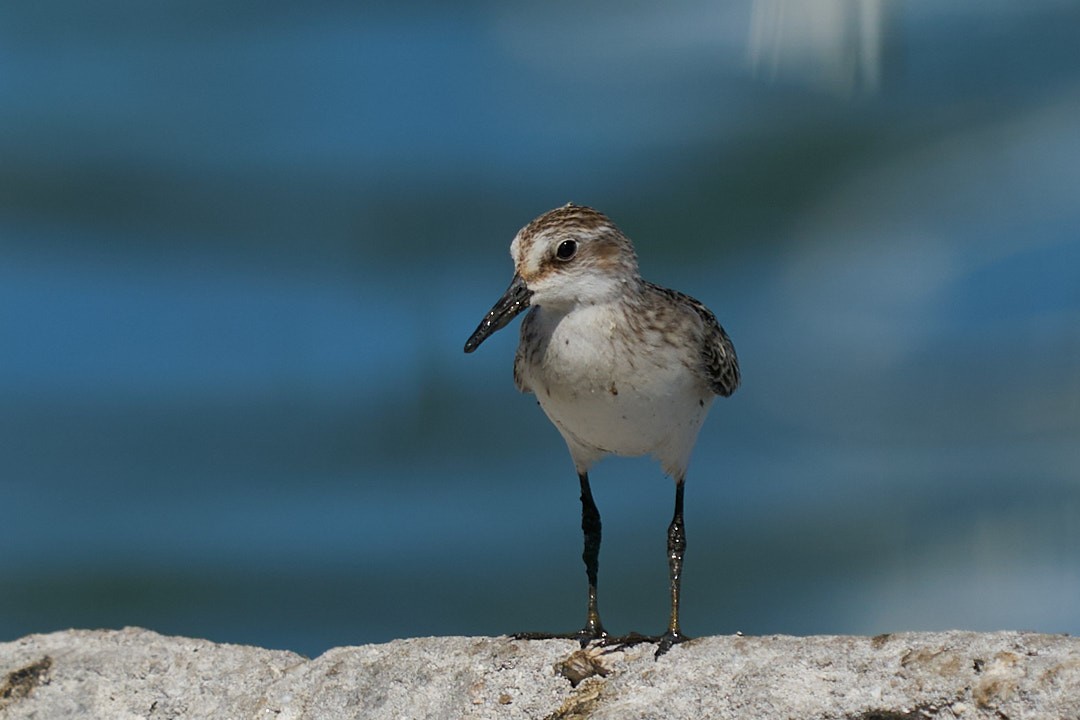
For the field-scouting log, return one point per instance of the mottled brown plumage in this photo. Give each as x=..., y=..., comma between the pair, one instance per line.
x=718, y=357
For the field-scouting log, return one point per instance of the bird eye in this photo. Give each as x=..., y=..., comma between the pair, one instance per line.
x=566, y=250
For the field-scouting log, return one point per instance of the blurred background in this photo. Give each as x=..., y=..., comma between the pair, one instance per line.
x=242, y=245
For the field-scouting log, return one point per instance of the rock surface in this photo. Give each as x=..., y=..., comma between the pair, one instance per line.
x=135, y=673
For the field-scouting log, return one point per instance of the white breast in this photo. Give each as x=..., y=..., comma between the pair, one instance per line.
x=609, y=392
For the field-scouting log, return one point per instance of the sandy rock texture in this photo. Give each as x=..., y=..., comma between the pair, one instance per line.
x=135, y=673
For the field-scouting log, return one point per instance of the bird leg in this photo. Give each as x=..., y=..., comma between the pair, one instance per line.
x=594, y=630
x=590, y=527
x=676, y=548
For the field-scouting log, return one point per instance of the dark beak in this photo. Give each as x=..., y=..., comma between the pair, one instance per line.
x=513, y=301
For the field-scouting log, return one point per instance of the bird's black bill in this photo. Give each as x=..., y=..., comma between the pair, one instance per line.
x=513, y=301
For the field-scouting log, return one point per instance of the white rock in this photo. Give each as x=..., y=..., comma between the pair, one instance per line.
x=136, y=673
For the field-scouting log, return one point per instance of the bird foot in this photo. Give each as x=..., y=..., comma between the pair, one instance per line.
x=588, y=634
x=584, y=636
x=663, y=642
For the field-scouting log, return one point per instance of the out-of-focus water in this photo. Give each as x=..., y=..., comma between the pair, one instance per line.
x=242, y=245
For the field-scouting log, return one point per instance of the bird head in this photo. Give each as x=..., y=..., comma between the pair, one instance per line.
x=567, y=257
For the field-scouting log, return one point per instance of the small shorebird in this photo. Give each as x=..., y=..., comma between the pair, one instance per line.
x=620, y=366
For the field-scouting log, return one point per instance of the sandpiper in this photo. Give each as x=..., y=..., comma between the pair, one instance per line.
x=620, y=366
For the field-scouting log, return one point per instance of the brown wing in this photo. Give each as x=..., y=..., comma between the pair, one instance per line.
x=718, y=358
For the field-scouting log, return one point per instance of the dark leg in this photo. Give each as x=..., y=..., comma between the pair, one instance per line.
x=676, y=546
x=590, y=527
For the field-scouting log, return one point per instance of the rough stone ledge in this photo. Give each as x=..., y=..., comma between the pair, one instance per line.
x=135, y=673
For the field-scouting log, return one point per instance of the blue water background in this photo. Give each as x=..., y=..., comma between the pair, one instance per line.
x=242, y=245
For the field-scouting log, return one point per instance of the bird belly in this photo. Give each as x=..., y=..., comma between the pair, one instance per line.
x=605, y=399
x=624, y=422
